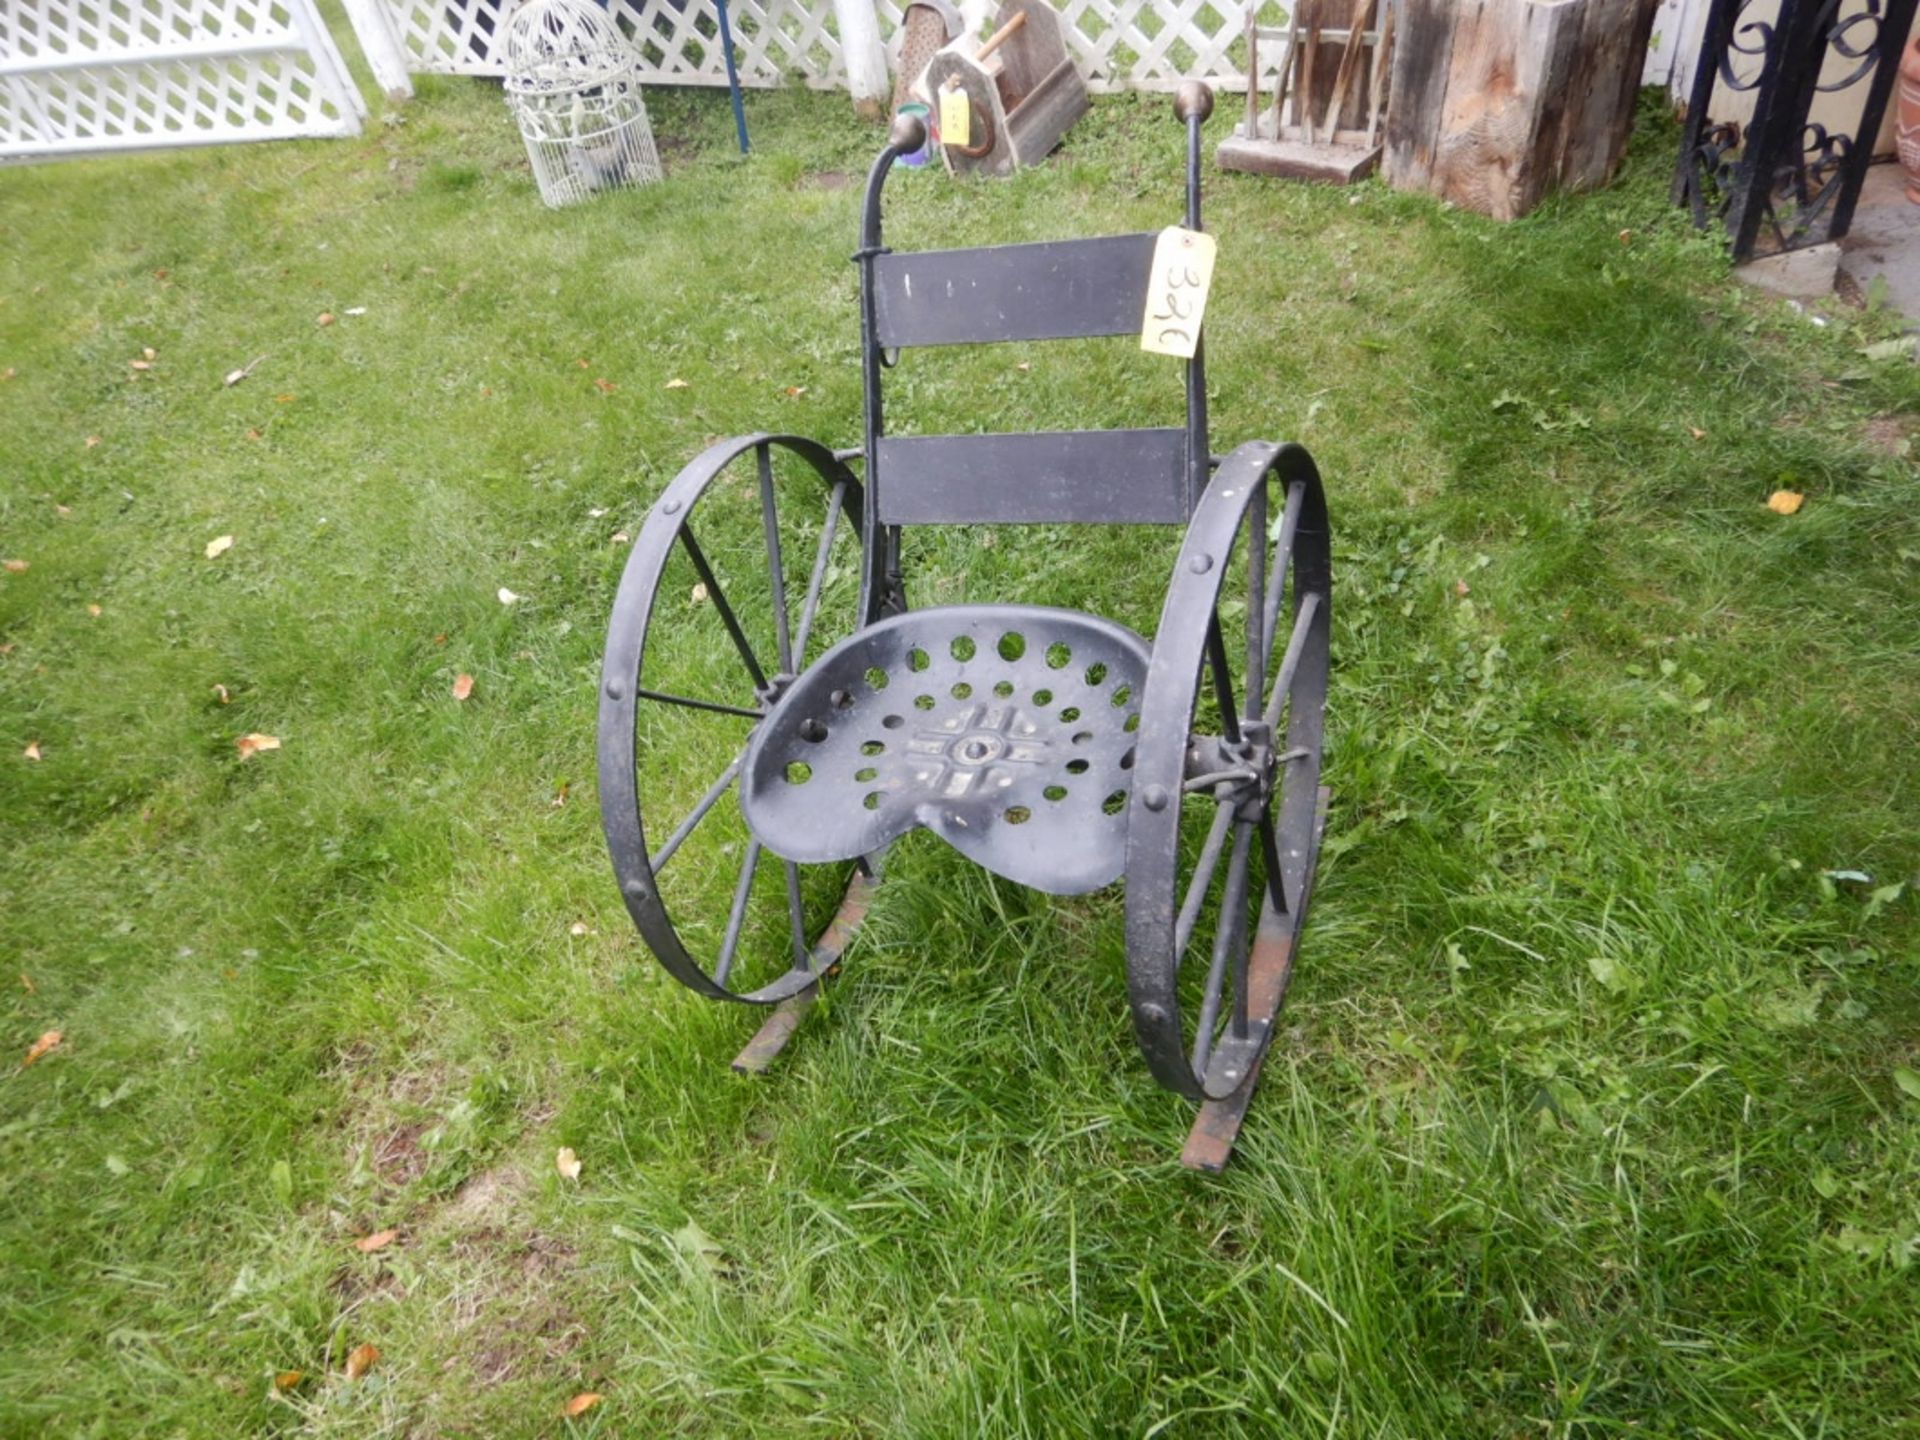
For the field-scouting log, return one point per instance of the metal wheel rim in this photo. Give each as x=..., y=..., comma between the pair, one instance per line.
x=1163, y=922
x=638, y=858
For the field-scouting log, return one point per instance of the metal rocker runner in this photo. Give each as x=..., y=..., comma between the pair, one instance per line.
x=1055, y=748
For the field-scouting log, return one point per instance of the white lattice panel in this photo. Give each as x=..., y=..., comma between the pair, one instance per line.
x=1121, y=44
x=79, y=75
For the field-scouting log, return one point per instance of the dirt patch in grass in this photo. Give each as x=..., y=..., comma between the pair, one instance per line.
x=1888, y=434
x=399, y=1158
x=512, y=1315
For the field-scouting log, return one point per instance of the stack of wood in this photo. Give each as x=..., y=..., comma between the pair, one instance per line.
x=1496, y=102
x=1324, y=123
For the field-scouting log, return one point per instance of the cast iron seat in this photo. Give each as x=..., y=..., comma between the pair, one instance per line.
x=1006, y=730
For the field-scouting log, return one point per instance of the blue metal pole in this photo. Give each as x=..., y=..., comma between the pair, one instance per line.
x=733, y=79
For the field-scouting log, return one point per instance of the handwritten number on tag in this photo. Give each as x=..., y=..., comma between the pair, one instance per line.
x=1177, y=292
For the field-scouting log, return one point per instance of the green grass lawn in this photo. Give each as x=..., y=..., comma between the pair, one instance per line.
x=1595, y=1113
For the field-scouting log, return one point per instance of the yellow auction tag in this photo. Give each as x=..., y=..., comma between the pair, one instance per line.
x=1177, y=292
x=956, y=117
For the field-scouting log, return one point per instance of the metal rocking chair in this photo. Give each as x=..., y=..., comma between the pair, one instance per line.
x=1055, y=748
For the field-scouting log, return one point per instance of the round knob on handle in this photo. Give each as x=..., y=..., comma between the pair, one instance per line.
x=909, y=133
x=1193, y=100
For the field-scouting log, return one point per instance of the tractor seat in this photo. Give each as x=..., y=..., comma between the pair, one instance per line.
x=1007, y=730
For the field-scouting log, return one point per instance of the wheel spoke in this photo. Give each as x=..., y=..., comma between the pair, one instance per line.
x=1229, y=947
x=797, y=919
x=1200, y=881
x=658, y=861
x=1222, y=680
x=1270, y=852
x=1256, y=593
x=818, y=579
x=770, y=522
x=719, y=598
x=1296, y=647
x=738, y=914
x=1282, y=563
x=714, y=705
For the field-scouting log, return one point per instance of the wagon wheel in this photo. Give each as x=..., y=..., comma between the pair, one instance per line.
x=1223, y=823
x=750, y=565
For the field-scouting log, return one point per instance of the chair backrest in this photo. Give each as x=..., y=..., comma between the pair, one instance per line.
x=1056, y=290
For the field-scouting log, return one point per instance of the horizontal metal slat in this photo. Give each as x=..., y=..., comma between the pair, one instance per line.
x=1135, y=477
x=1058, y=290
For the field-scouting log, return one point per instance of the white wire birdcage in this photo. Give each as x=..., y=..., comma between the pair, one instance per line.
x=573, y=82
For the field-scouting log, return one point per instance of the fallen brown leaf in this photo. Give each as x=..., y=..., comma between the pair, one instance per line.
x=94, y=610
x=567, y=1163
x=26, y=983
x=253, y=434
x=63, y=511
x=604, y=385
x=462, y=686
x=677, y=384
x=367, y=1244
x=251, y=745
x=1626, y=237
x=620, y=537
x=794, y=392
x=583, y=1402
x=1785, y=502
x=219, y=546
x=286, y=399
x=8, y=373
x=288, y=1379
x=32, y=752
x=221, y=692
x=17, y=567
x=1696, y=432
x=582, y=363
x=1462, y=589
x=44, y=1044
x=361, y=1359
x=140, y=364
x=325, y=318
x=92, y=440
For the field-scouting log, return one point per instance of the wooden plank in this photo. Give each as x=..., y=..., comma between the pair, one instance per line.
x=1604, y=91
x=1296, y=160
x=1495, y=102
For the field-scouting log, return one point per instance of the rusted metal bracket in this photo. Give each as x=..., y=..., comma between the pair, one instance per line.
x=1269, y=970
x=779, y=1028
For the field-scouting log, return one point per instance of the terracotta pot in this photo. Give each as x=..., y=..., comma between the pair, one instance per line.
x=1907, y=122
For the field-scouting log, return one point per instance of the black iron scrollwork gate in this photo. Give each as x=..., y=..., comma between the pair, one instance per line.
x=1783, y=180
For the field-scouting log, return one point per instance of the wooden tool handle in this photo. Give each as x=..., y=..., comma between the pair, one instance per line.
x=1000, y=36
